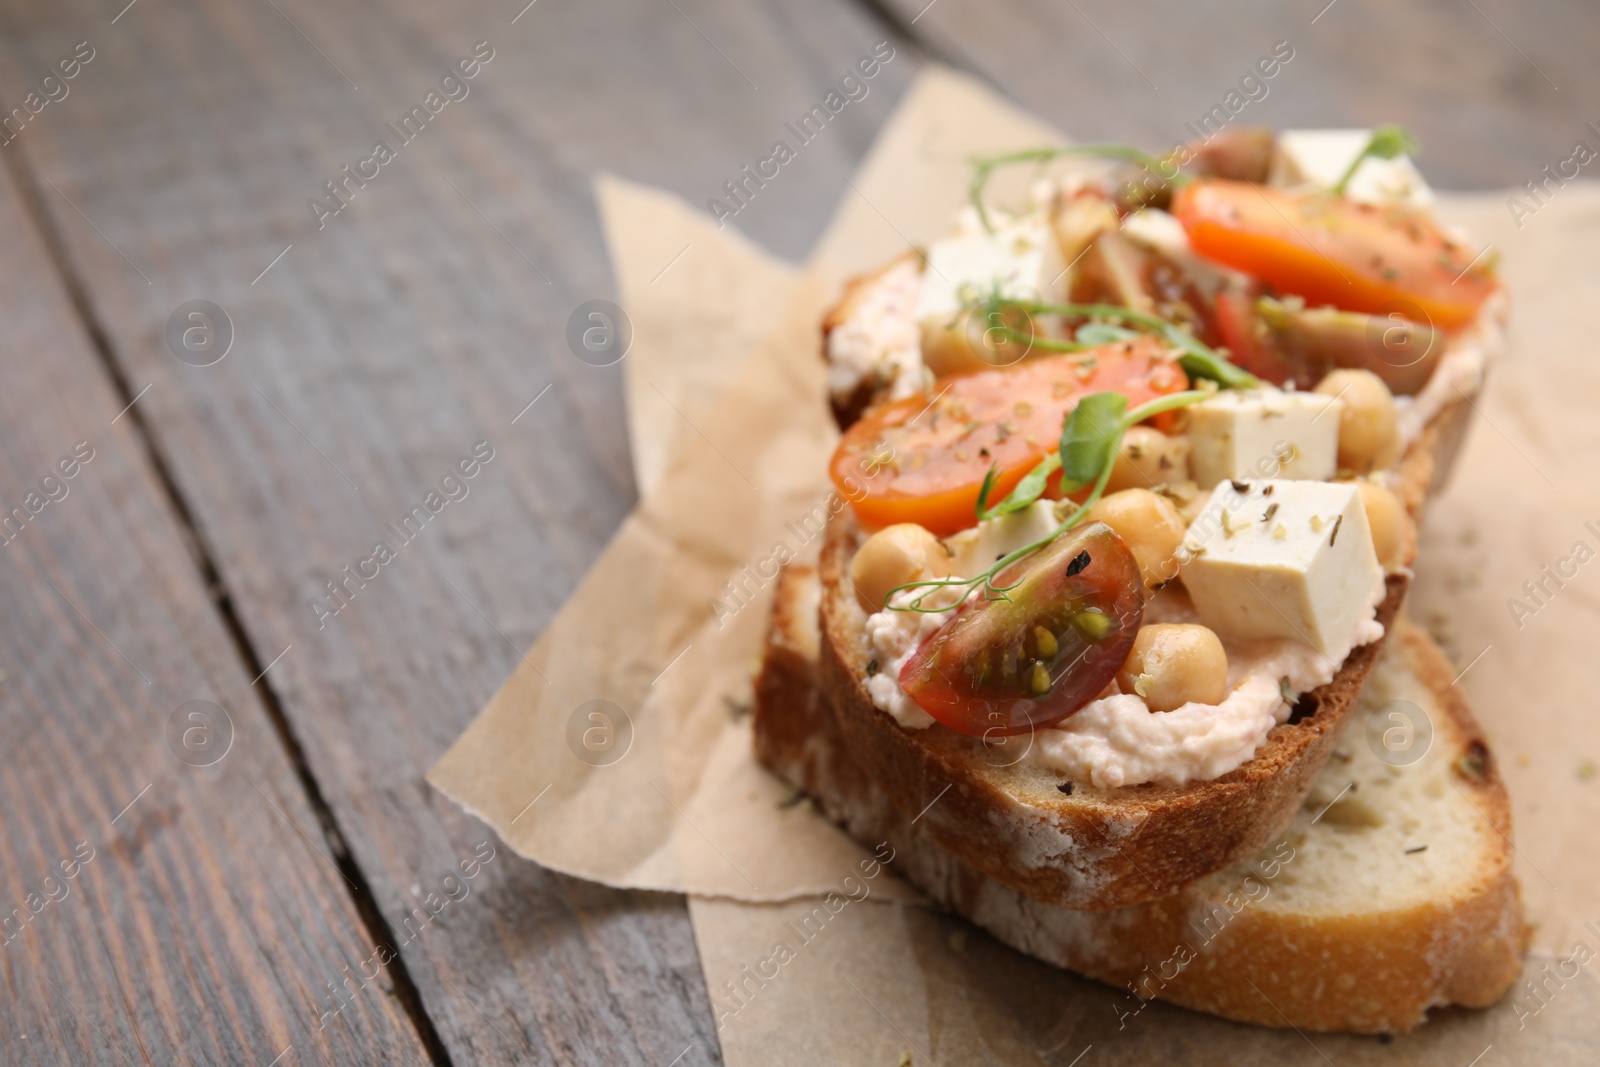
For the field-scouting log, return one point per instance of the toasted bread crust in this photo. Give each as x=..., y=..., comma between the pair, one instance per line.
x=1090, y=850
x=1427, y=463
x=1371, y=972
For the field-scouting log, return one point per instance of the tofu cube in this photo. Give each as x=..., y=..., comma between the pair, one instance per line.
x=1263, y=433
x=1321, y=157
x=1284, y=559
x=1021, y=259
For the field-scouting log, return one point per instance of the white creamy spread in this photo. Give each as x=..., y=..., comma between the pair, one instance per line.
x=893, y=637
x=880, y=339
x=1117, y=740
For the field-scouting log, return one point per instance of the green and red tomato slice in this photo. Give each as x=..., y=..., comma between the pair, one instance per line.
x=1013, y=662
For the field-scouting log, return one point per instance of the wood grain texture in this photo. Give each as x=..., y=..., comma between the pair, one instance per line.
x=369, y=359
x=379, y=350
x=1493, y=90
x=150, y=910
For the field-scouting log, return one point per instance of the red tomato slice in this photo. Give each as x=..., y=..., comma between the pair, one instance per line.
x=1244, y=337
x=916, y=461
x=1330, y=250
x=1067, y=623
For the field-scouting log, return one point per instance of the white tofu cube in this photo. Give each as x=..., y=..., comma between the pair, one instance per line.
x=1321, y=157
x=1263, y=433
x=1020, y=258
x=1285, y=559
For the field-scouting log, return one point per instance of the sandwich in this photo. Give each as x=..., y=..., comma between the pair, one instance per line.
x=1133, y=470
x=1388, y=894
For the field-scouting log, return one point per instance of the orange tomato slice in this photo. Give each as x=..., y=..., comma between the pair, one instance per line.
x=918, y=461
x=1329, y=250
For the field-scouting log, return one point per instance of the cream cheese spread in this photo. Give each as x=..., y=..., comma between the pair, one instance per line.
x=881, y=339
x=1116, y=740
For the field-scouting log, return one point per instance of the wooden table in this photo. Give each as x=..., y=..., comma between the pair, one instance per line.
x=214, y=830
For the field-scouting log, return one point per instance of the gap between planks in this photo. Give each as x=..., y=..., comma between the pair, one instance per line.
x=361, y=895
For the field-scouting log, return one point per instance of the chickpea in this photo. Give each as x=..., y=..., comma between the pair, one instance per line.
x=1369, y=426
x=1150, y=525
x=894, y=556
x=973, y=342
x=1148, y=457
x=1388, y=521
x=1173, y=664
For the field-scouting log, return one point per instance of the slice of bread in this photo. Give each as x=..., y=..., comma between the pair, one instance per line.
x=1389, y=893
x=1107, y=850
x=1017, y=823
x=1127, y=845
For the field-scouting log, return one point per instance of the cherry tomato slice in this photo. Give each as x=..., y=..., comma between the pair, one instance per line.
x=916, y=461
x=1330, y=250
x=1249, y=343
x=1006, y=666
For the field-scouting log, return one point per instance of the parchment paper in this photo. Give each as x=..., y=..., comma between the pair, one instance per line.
x=730, y=441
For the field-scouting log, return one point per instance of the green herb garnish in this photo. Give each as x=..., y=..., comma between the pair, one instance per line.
x=983, y=166
x=1387, y=141
x=1105, y=419
x=1197, y=359
x=1093, y=334
x=1089, y=438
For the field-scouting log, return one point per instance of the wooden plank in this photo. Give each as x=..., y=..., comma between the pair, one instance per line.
x=152, y=909
x=380, y=349
x=1477, y=84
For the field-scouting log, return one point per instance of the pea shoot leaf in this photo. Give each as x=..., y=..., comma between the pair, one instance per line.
x=1390, y=140
x=1387, y=142
x=984, y=490
x=1089, y=438
x=1028, y=490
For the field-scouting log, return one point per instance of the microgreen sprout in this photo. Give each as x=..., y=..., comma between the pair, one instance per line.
x=1090, y=444
x=1198, y=359
x=983, y=166
x=1090, y=438
x=1387, y=141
